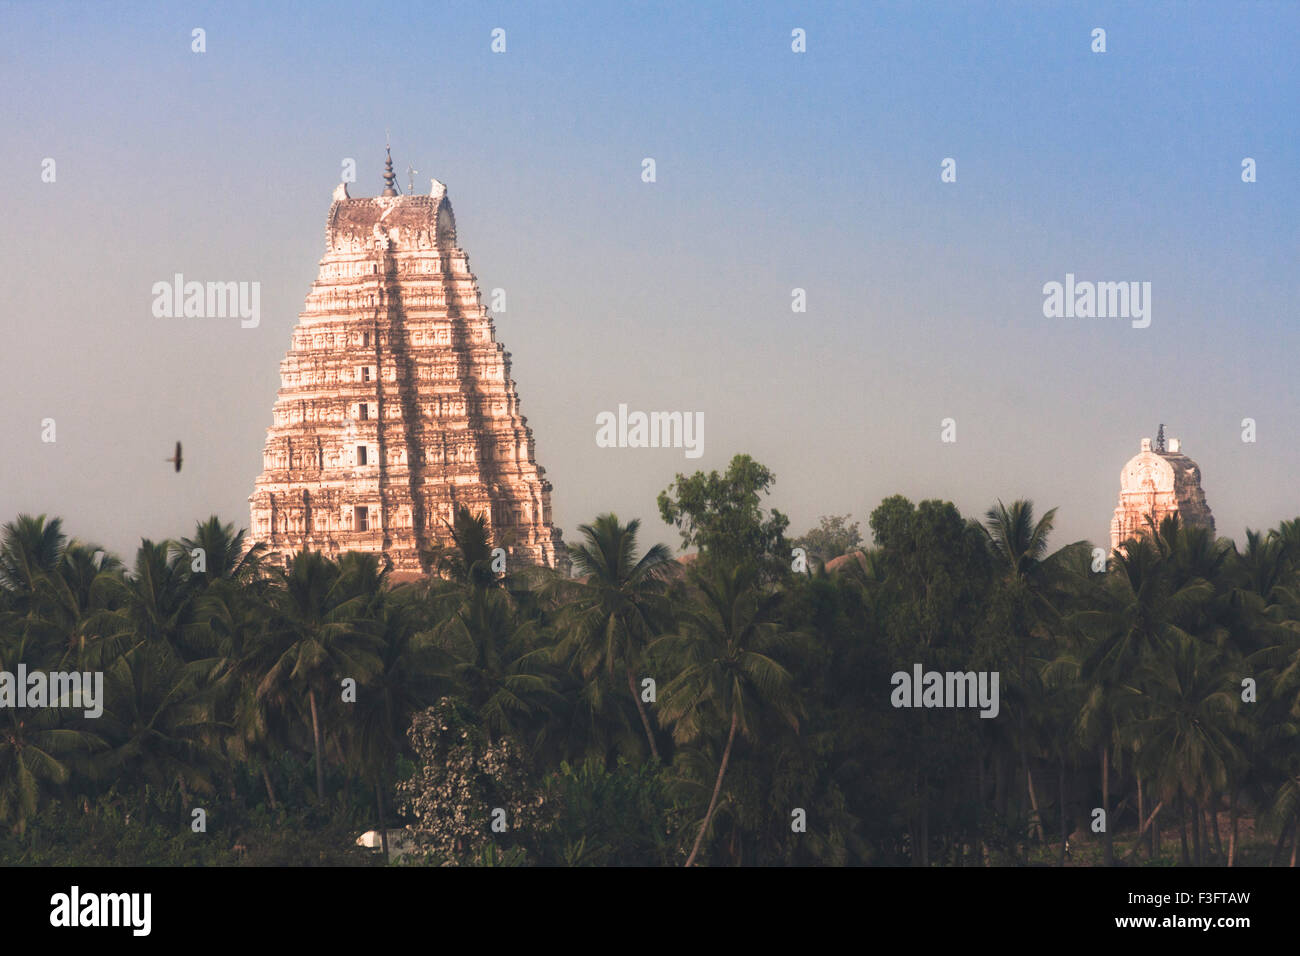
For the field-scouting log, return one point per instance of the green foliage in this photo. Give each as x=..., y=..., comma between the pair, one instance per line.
x=722, y=515
x=832, y=537
x=107, y=833
x=608, y=817
x=462, y=782
x=1165, y=684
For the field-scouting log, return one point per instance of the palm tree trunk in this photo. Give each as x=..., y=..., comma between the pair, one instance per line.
x=1150, y=820
x=1232, y=823
x=1295, y=839
x=1033, y=803
x=1000, y=785
x=1107, y=842
x=1065, y=835
x=1203, y=829
x=383, y=827
x=1182, y=827
x=1278, y=847
x=925, y=822
x=1196, y=833
x=1141, y=815
x=645, y=717
x=270, y=791
x=717, y=786
x=318, y=742
x=1214, y=821
x=1024, y=767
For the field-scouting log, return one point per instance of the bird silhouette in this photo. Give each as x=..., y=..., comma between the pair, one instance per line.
x=177, y=457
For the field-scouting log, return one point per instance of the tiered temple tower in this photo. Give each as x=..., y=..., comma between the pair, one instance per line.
x=396, y=404
x=1158, y=481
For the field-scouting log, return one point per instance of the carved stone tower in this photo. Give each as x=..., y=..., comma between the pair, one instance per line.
x=396, y=404
x=1158, y=481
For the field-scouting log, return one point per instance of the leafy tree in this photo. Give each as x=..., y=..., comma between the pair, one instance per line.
x=460, y=779
x=605, y=816
x=722, y=515
x=832, y=537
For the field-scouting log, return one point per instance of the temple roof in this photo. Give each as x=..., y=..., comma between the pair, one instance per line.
x=368, y=216
x=1168, y=468
x=364, y=217
x=1157, y=482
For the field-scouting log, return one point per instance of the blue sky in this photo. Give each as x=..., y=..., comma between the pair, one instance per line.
x=775, y=170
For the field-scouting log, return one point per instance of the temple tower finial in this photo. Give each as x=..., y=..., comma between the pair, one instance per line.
x=390, y=177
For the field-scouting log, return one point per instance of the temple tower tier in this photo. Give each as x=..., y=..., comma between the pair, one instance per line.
x=396, y=404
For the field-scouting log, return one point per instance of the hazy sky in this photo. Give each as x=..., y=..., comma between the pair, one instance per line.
x=775, y=170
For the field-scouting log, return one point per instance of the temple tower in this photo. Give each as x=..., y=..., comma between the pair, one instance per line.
x=396, y=404
x=1160, y=480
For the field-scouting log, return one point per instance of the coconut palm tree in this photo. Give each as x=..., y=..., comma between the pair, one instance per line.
x=29, y=547
x=157, y=723
x=313, y=642
x=35, y=754
x=495, y=659
x=158, y=599
x=404, y=682
x=1016, y=540
x=1142, y=610
x=224, y=550
x=82, y=566
x=38, y=749
x=467, y=563
x=726, y=674
x=1190, y=725
x=76, y=611
x=1018, y=545
x=1098, y=711
x=618, y=609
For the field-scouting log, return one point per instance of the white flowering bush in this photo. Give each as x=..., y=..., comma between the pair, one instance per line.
x=461, y=779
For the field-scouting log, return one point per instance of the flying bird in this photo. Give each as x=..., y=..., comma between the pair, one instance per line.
x=177, y=457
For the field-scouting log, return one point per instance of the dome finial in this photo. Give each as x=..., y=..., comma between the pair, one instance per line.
x=390, y=177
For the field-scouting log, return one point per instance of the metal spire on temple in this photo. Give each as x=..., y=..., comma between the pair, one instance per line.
x=1160, y=439
x=390, y=177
